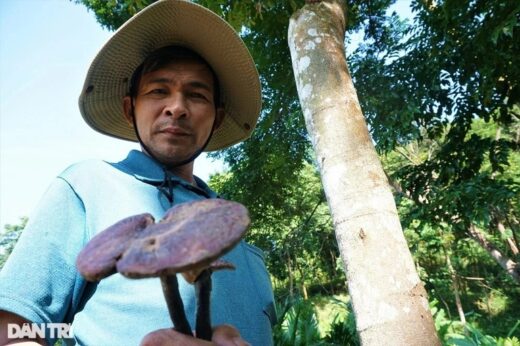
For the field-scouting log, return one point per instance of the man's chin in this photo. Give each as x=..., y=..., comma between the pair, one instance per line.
x=173, y=158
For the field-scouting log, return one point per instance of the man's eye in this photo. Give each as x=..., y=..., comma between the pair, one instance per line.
x=158, y=91
x=198, y=96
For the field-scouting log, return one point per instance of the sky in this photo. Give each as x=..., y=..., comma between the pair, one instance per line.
x=46, y=47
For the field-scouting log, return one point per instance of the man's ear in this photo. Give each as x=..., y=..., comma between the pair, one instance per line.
x=128, y=110
x=219, y=117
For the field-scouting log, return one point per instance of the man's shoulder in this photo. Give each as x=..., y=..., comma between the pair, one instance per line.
x=90, y=177
x=82, y=168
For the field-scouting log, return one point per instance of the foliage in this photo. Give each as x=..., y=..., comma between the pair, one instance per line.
x=298, y=323
x=295, y=232
x=111, y=14
x=8, y=239
x=457, y=61
x=475, y=337
x=436, y=229
x=342, y=329
x=442, y=98
x=454, y=333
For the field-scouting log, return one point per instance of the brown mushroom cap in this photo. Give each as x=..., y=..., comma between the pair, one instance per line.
x=190, y=237
x=98, y=258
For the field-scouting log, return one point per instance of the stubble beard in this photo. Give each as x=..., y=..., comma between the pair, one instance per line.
x=172, y=153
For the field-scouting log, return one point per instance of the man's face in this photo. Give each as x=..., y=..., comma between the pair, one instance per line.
x=175, y=109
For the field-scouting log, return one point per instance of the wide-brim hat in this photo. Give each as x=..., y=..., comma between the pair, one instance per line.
x=165, y=23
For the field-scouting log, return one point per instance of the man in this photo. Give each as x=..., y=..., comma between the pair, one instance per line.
x=179, y=80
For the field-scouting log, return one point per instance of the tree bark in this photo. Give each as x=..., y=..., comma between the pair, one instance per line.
x=389, y=300
x=510, y=240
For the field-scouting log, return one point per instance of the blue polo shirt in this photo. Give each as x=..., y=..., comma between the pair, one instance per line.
x=40, y=282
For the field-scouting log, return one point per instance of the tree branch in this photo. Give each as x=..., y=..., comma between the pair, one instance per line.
x=506, y=263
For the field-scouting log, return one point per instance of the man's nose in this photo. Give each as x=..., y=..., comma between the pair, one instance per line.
x=176, y=106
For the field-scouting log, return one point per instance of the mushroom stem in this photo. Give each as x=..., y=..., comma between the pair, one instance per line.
x=173, y=298
x=203, y=292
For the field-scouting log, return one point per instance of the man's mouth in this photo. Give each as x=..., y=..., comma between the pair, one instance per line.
x=175, y=130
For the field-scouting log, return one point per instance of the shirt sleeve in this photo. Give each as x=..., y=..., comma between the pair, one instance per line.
x=39, y=280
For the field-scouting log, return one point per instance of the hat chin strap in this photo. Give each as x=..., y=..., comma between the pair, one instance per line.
x=166, y=188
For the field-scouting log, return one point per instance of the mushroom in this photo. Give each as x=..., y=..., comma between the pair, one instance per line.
x=98, y=258
x=203, y=292
x=189, y=240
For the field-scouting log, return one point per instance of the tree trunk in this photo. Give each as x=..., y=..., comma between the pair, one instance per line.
x=510, y=240
x=389, y=300
x=456, y=291
x=291, y=276
x=302, y=278
x=510, y=266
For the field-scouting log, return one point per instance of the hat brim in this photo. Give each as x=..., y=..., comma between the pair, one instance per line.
x=164, y=23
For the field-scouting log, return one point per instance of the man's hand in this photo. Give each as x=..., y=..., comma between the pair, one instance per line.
x=223, y=335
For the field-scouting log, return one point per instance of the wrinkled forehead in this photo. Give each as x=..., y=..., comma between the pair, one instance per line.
x=181, y=72
x=171, y=57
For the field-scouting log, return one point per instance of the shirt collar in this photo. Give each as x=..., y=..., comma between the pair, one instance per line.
x=147, y=170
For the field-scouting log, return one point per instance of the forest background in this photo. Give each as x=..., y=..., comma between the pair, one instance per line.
x=441, y=96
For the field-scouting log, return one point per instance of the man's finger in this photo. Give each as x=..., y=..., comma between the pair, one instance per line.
x=170, y=337
x=227, y=335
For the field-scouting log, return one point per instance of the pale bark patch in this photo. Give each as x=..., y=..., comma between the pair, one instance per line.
x=306, y=91
x=304, y=63
x=312, y=32
x=310, y=45
x=387, y=312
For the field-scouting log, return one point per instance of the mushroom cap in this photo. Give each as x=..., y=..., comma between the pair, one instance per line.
x=189, y=237
x=98, y=258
